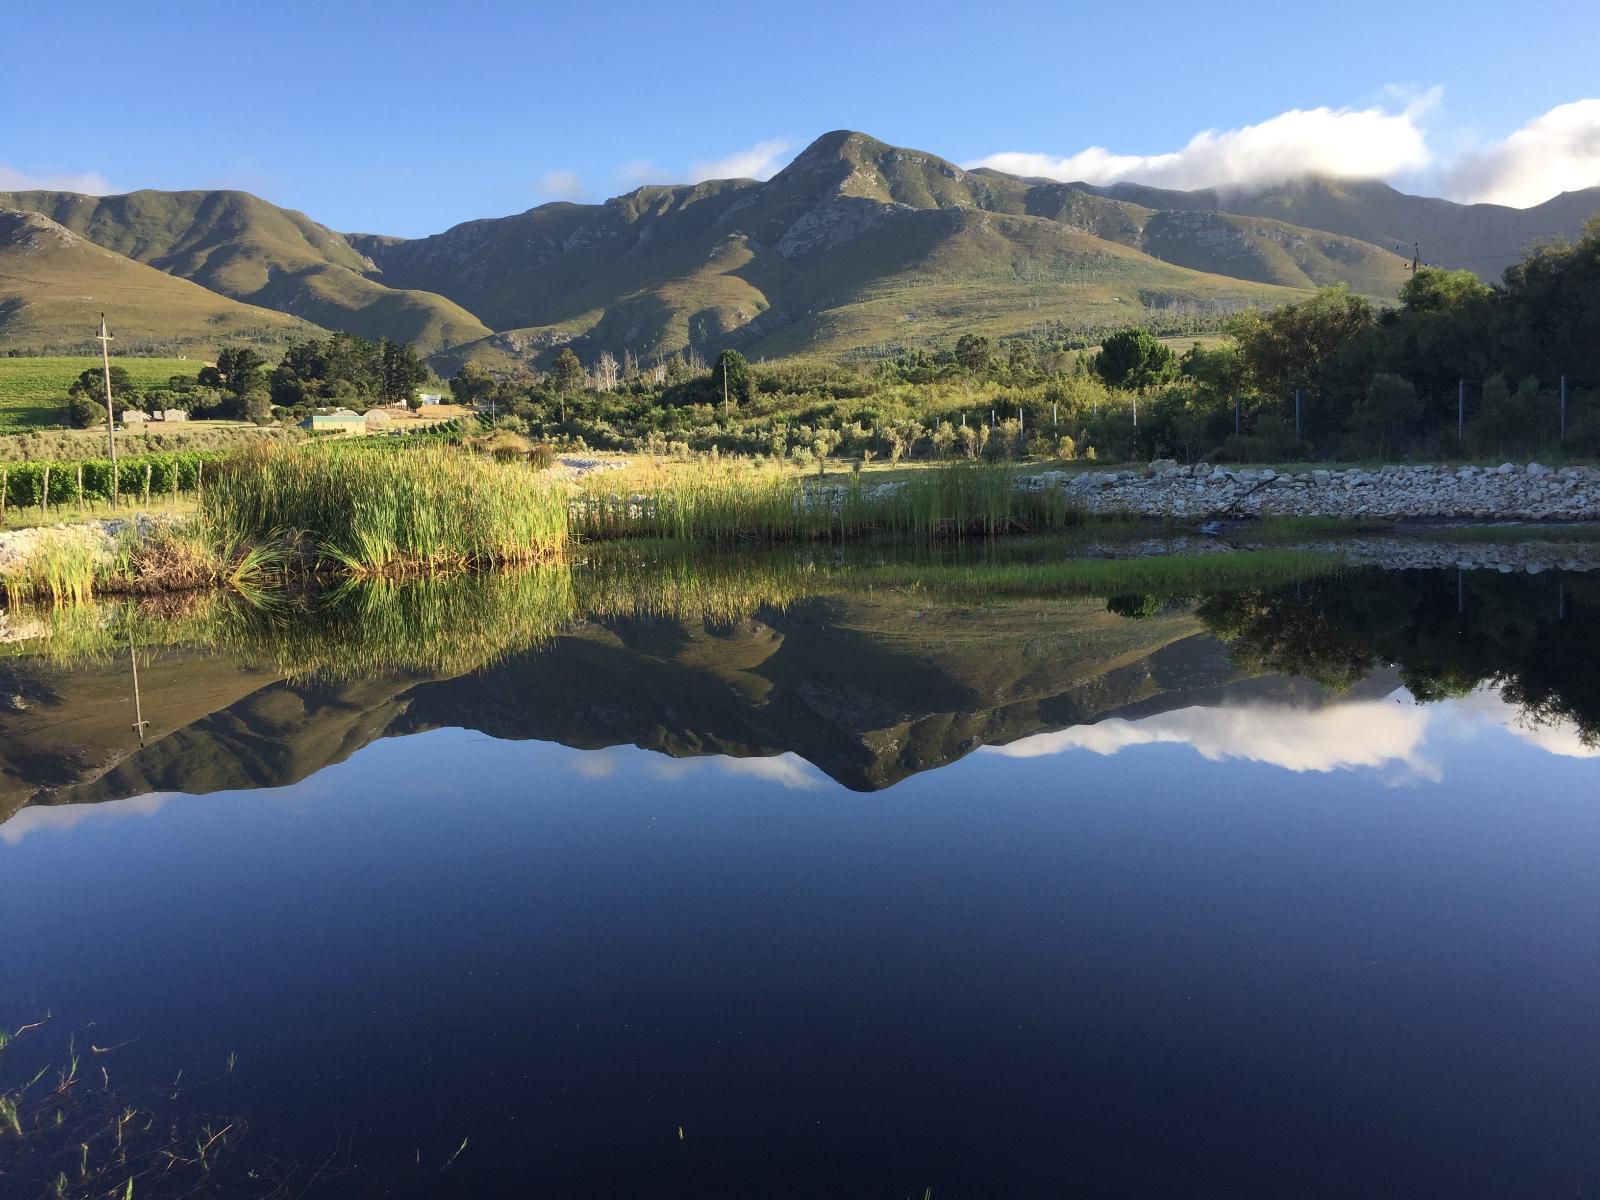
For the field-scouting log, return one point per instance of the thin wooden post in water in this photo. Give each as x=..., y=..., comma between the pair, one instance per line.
x=104, y=338
x=139, y=723
x=1461, y=410
x=1563, y=408
x=1236, y=414
x=1297, y=412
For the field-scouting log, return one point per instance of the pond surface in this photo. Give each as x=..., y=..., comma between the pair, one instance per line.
x=855, y=891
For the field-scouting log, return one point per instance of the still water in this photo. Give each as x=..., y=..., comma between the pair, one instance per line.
x=1288, y=890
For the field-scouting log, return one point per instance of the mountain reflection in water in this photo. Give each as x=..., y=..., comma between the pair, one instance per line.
x=869, y=684
x=569, y=883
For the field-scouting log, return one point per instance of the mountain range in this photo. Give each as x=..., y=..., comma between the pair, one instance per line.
x=855, y=246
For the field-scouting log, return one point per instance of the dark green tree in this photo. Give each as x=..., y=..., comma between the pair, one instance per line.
x=1133, y=358
x=730, y=376
x=471, y=384
x=974, y=353
x=401, y=372
x=566, y=377
x=91, y=385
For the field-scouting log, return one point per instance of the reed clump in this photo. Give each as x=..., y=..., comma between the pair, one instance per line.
x=430, y=509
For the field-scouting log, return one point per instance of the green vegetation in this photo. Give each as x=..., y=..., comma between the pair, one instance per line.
x=1329, y=378
x=178, y=437
x=58, y=485
x=430, y=509
x=738, y=503
x=64, y=568
x=34, y=391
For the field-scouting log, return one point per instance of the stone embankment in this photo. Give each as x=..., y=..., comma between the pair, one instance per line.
x=1202, y=492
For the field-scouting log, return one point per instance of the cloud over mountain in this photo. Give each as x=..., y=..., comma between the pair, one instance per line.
x=760, y=161
x=90, y=183
x=1553, y=153
x=1358, y=143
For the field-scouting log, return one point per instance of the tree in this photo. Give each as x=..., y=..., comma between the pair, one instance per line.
x=1133, y=358
x=84, y=413
x=974, y=353
x=471, y=385
x=401, y=372
x=730, y=376
x=239, y=367
x=91, y=385
x=566, y=376
x=607, y=372
x=1431, y=290
x=1301, y=345
x=1387, y=413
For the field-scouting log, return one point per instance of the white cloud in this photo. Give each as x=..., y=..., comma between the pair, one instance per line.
x=559, y=185
x=1344, y=142
x=761, y=161
x=1554, y=153
x=1560, y=737
x=638, y=173
x=89, y=182
x=38, y=817
x=1375, y=733
x=787, y=770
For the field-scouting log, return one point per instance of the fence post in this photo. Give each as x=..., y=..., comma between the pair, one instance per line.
x=44, y=499
x=1297, y=412
x=1461, y=411
x=1236, y=415
x=1563, y=408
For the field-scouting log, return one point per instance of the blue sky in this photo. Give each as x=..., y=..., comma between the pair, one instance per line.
x=405, y=117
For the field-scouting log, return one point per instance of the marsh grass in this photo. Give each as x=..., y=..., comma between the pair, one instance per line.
x=739, y=502
x=430, y=509
x=90, y=1138
x=68, y=567
x=1165, y=575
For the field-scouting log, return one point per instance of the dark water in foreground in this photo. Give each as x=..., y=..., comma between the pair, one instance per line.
x=998, y=897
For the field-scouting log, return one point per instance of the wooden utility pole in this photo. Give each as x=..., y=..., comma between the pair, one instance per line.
x=104, y=338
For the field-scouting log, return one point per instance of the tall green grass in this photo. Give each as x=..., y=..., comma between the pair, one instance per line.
x=432, y=509
x=741, y=503
x=71, y=566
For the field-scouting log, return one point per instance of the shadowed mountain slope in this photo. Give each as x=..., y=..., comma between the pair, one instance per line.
x=241, y=247
x=54, y=285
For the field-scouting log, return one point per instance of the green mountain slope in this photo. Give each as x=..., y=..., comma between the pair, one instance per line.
x=1485, y=238
x=854, y=244
x=54, y=285
x=242, y=247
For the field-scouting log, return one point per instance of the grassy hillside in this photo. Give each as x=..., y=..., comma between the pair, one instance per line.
x=33, y=390
x=54, y=285
x=242, y=247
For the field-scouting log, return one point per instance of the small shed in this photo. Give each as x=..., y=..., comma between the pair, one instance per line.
x=134, y=419
x=428, y=398
x=340, y=420
x=172, y=414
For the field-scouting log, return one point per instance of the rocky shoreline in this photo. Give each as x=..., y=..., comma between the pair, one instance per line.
x=1203, y=492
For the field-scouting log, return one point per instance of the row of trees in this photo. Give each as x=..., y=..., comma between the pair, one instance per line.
x=341, y=369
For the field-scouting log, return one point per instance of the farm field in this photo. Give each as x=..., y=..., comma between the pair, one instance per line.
x=33, y=390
